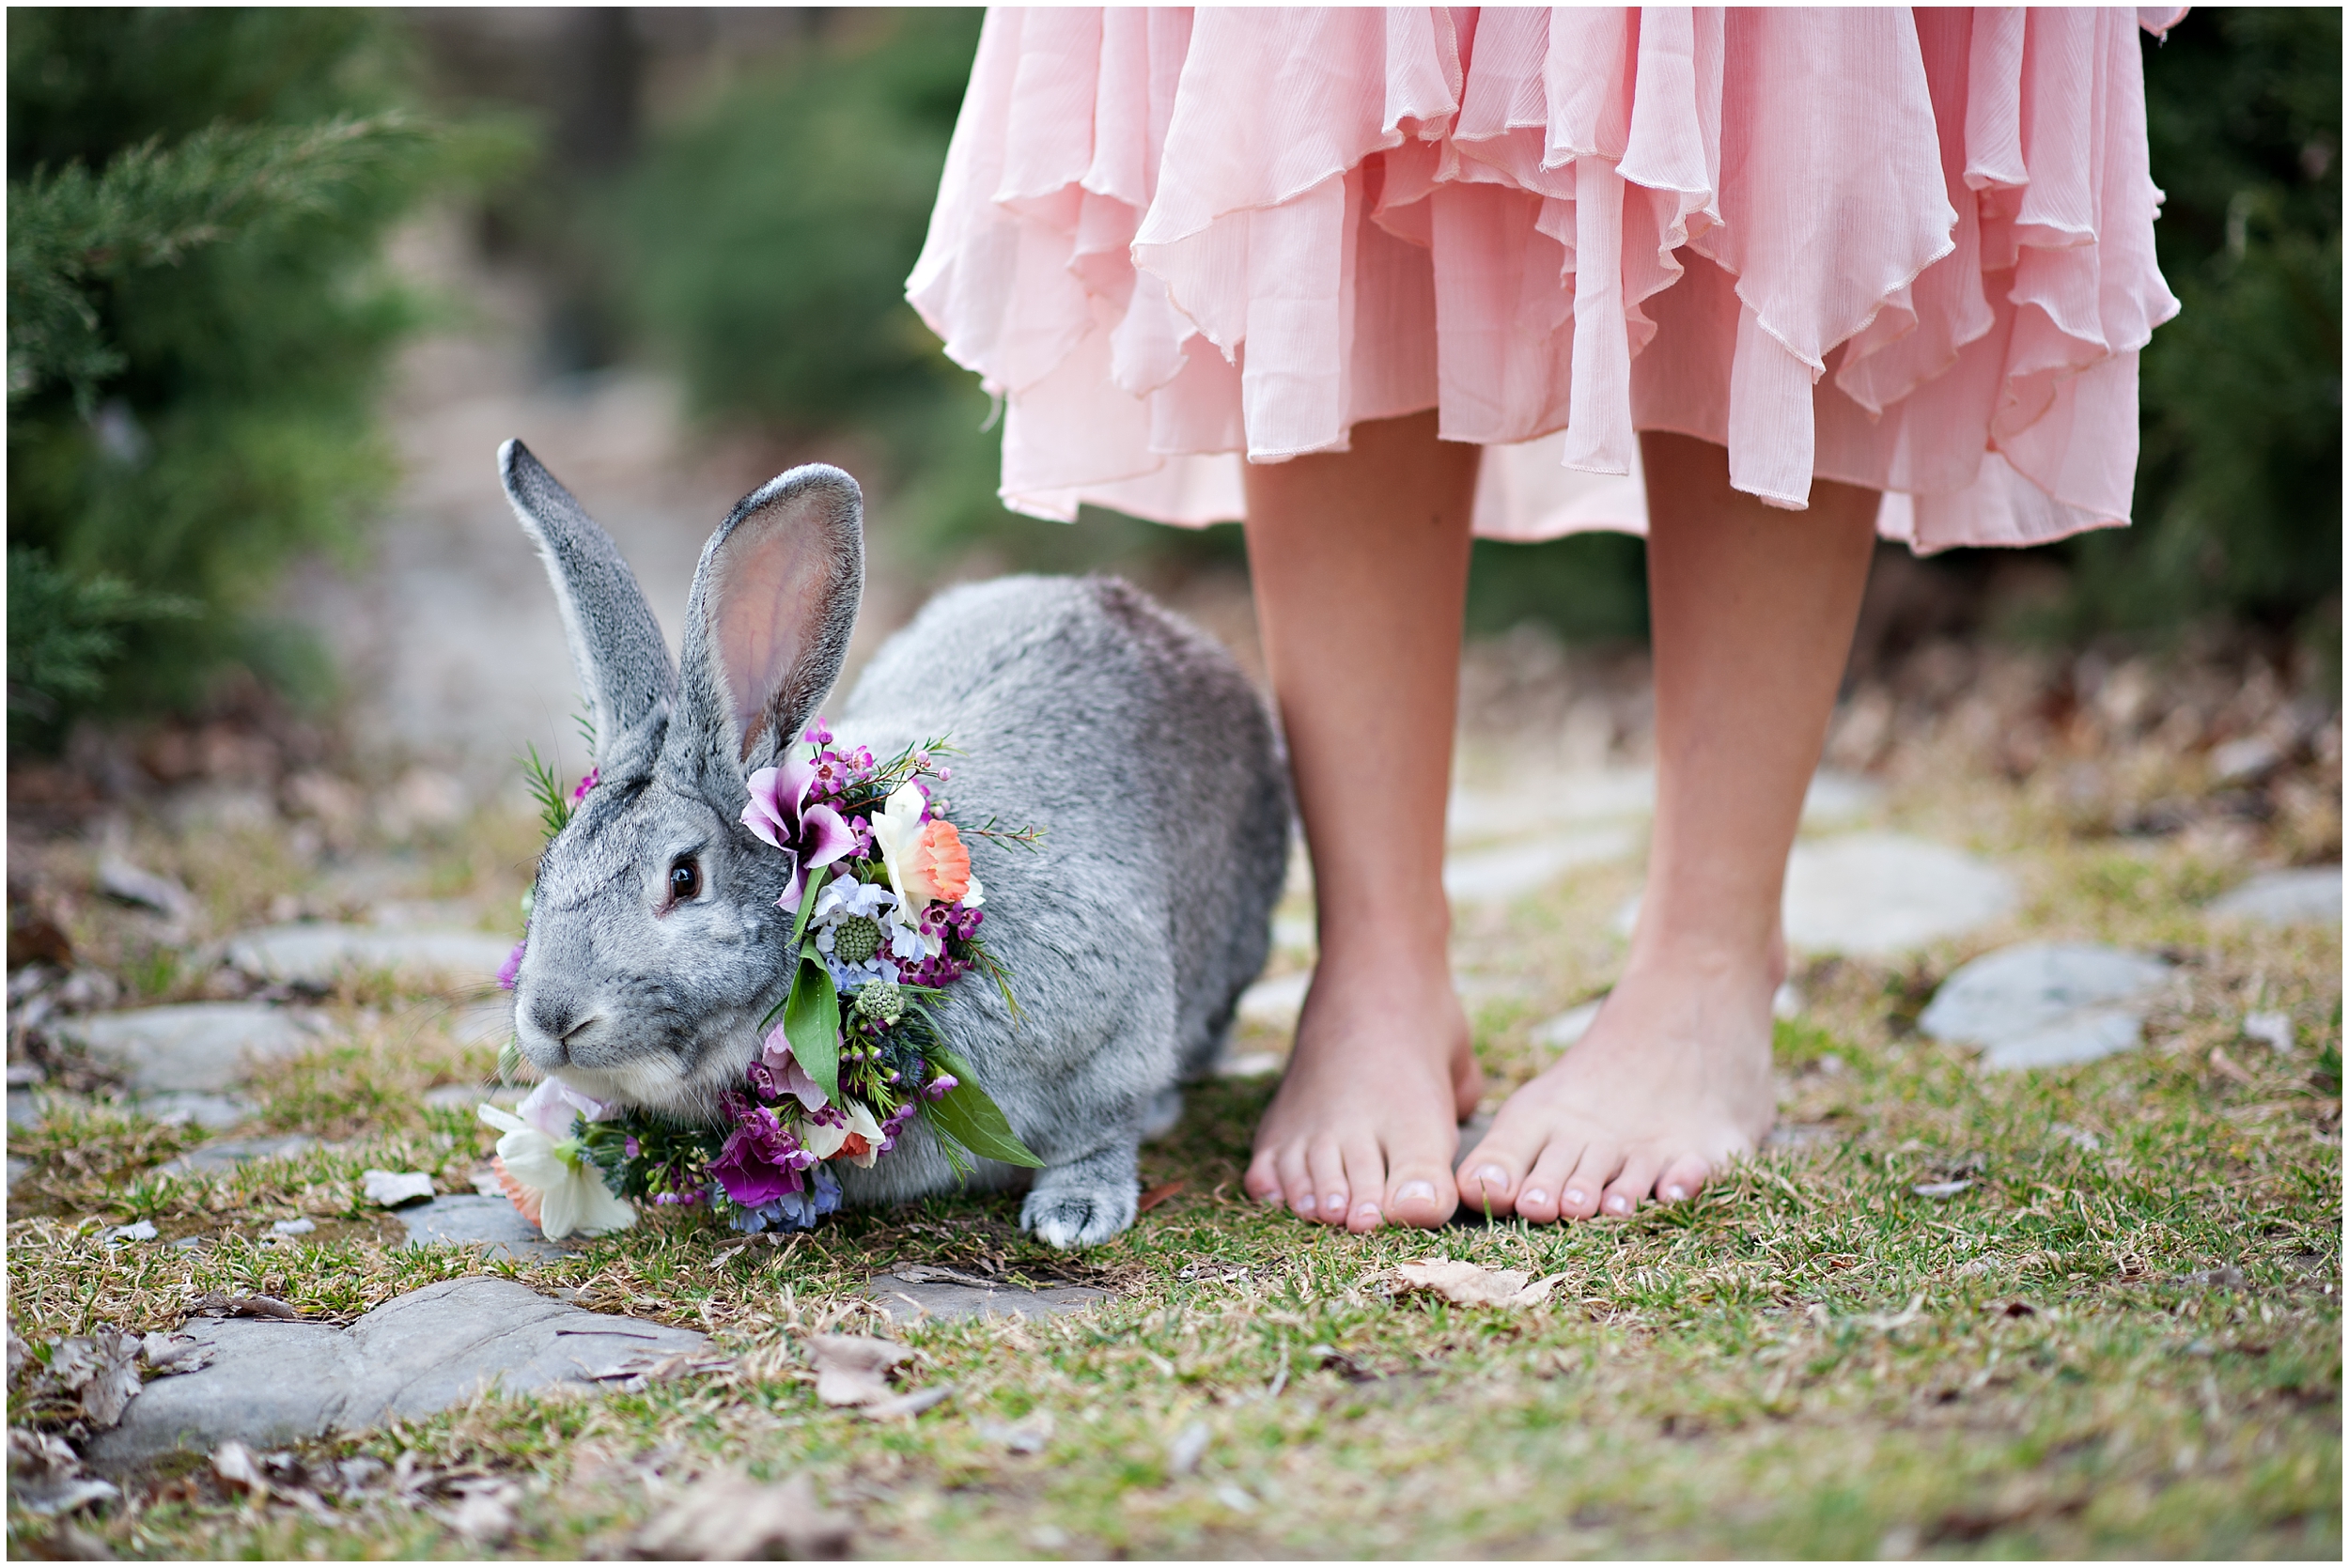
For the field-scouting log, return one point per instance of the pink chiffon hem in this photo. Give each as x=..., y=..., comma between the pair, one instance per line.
x=1911, y=251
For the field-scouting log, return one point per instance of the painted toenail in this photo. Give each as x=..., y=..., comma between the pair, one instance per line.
x=1675, y=1192
x=1574, y=1195
x=1620, y=1205
x=1336, y=1204
x=1306, y=1203
x=1534, y=1197
x=1414, y=1192
x=1493, y=1178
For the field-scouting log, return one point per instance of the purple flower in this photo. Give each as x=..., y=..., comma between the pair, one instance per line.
x=896, y=1122
x=936, y=1088
x=513, y=965
x=579, y=792
x=551, y=1107
x=813, y=835
x=818, y=733
x=760, y=1163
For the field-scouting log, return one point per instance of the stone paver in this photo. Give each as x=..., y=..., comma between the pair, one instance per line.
x=2047, y=1004
x=316, y=953
x=226, y=1153
x=201, y=1048
x=2307, y=895
x=938, y=1294
x=1875, y=893
x=273, y=1382
x=1507, y=871
x=467, y=1218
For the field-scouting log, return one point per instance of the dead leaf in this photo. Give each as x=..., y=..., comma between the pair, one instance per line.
x=2226, y=1067
x=238, y=1470
x=102, y=1369
x=1157, y=1195
x=1468, y=1284
x=484, y=1512
x=926, y=1274
x=907, y=1403
x=174, y=1353
x=215, y=1304
x=395, y=1188
x=45, y=1475
x=851, y=1369
x=728, y=1518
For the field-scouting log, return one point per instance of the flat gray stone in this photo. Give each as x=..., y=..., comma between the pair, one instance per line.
x=2309, y=896
x=210, y=1111
x=2047, y=1004
x=196, y=1048
x=273, y=1382
x=226, y=1153
x=1509, y=871
x=1878, y=894
x=907, y=1300
x=316, y=952
x=470, y=1219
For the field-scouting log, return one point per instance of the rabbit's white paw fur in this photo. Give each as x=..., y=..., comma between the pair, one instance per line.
x=1075, y=1217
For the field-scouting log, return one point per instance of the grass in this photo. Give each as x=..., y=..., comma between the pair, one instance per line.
x=2123, y=1339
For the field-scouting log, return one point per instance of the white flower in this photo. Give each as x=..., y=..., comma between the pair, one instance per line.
x=895, y=826
x=823, y=1139
x=843, y=899
x=551, y=1183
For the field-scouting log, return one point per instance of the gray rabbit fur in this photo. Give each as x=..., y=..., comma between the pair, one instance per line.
x=1078, y=706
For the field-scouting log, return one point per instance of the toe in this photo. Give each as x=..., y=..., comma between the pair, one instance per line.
x=1365, y=1184
x=1683, y=1179
x=1586, y=1184
x=1419, y=1192
x=1542, y=1193
x=1488, y=1178
x=1263, y=1182
x=1296, y=1184
x=1632, y=1184
x=1325, y=1167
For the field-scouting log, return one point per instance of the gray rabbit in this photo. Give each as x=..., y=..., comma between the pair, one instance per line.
x=656, y=946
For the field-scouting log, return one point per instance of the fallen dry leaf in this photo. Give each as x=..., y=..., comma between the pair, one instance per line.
x=908, y=1403
x=102, y=1369
x=45, y=1475
x=393, y=1188
x=851, y=1369
x=239, y=1469
x=1468, y=1284
x=1157, y=1195
x=485, y=1512
x=172, y=1352
x=728, y=1518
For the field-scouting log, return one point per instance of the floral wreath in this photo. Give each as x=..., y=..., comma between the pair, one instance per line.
x=887, y=916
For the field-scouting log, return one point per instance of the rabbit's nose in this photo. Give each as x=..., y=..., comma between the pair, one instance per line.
x=555, y=1017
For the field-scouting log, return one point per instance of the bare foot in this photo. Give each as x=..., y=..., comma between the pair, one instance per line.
x=1671, y=1084
x=1366, y=1123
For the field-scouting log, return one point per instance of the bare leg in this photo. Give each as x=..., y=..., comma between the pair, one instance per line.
x=1359, y=560
x=1752, y=610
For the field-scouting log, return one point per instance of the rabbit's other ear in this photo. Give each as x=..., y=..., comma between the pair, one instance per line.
x=774, y=601
x=616, y=646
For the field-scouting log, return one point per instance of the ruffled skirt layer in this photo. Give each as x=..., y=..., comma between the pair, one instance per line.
x=1908, y=251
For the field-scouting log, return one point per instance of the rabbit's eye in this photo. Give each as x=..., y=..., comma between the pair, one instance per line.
x=685, y=881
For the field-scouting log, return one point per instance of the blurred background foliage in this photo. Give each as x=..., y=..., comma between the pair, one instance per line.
x=197, y=327
x=199, y=323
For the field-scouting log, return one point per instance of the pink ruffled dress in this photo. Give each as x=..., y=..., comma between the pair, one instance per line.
x=1912, y=251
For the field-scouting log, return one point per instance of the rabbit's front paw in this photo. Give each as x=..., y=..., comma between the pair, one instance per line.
x=1071, y=1214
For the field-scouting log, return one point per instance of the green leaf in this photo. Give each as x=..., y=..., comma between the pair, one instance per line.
x=811, y=1020
x=966, y=1115
x=807, y=905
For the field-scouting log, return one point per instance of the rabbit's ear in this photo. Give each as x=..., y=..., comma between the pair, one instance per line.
x=774, y=600
x=616, y=646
